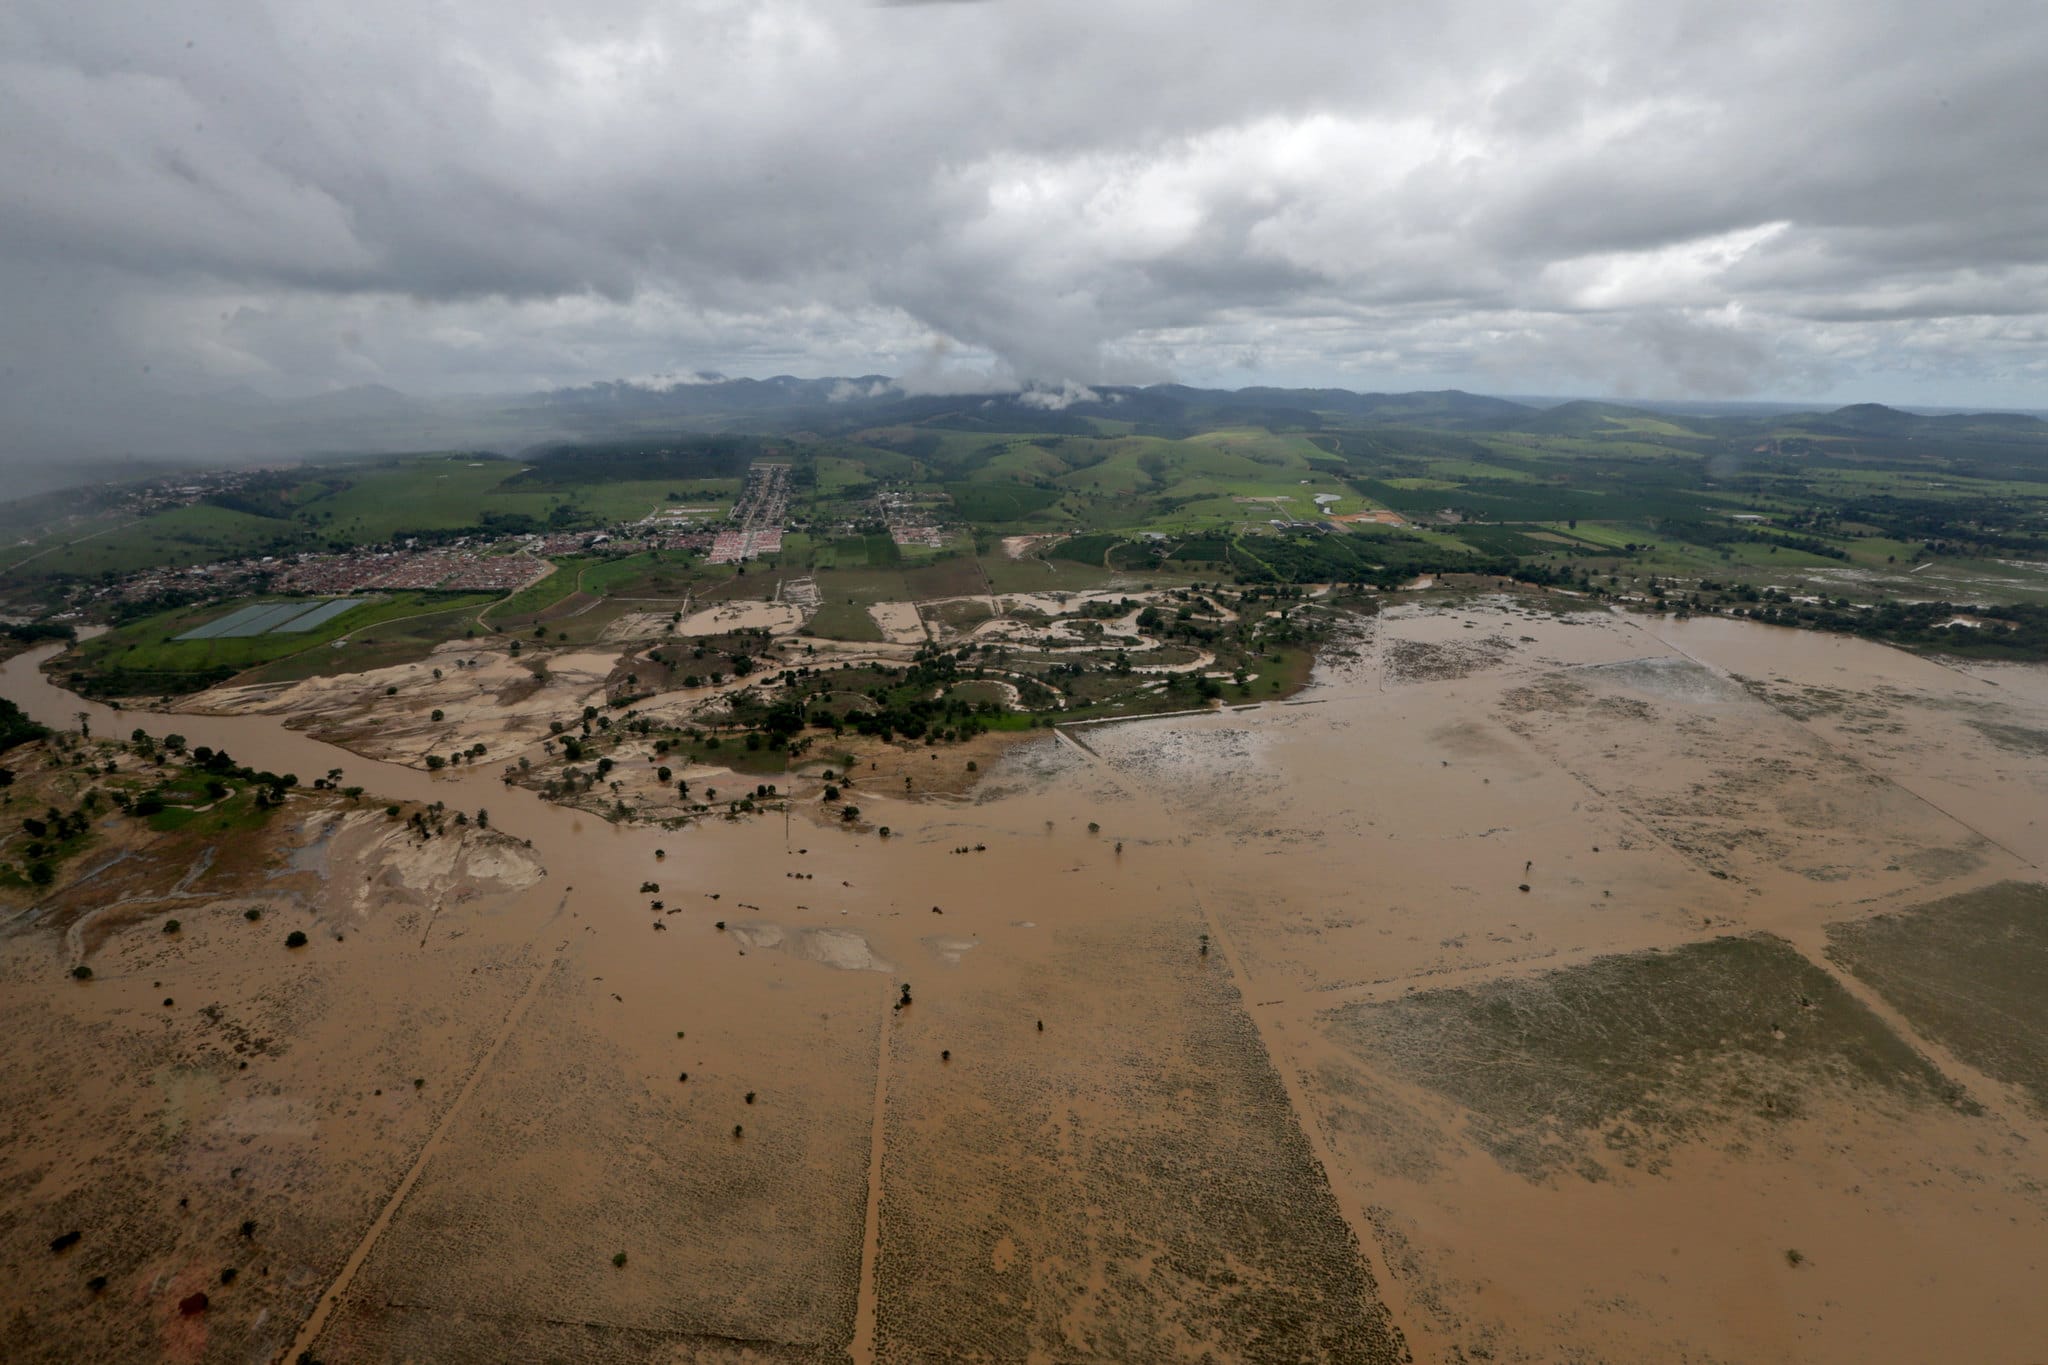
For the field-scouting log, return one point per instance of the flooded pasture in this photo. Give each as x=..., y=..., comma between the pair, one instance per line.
x=1538, y=985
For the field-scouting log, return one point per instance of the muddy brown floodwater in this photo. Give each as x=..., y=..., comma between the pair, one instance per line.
x=1537, y=986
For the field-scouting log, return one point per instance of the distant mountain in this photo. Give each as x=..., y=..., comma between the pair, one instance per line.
x=1584, y=417
x=851, y=403
x=241, y=423
x=1878, y=420
x=1421, y=409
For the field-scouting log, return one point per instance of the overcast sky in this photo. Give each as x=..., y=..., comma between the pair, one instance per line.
x=1691, y=198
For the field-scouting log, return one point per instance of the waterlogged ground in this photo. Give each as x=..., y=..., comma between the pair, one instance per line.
x=1541, y=985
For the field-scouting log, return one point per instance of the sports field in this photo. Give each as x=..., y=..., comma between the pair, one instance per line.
x=274, y=618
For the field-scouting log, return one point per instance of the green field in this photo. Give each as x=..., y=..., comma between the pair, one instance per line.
x=1864, y=506
x=146, y=656
x=839, y=619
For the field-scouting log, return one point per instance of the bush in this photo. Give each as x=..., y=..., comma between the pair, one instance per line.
x=619, y=1261
x=253, y=914
x=172, y=926
x=295, y=939
x=81, y=973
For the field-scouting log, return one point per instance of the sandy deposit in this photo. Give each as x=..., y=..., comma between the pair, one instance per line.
x=1399, y=1093
x=485, y=696
x=778, y=618
x=899, y=622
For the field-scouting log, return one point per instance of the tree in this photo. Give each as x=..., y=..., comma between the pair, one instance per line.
x=295, y=939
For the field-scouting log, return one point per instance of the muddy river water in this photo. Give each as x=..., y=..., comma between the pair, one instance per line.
x=1490, y=997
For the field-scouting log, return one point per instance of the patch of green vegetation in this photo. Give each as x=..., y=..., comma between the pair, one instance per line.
x=379, y=501
x=236, y=813
x=840, y=619
x=1090, y=550
x=1627, y=1058
x=146, y=657
x=999, y=502
x=172, y=538
x=522, y=606
x=653, y=573
x=1967, y=973
x=16, y=728
x=862, y=586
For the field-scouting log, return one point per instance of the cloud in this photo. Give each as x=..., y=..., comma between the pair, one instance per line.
x=845, y=391
x=1058, y=399
x=1710, y=197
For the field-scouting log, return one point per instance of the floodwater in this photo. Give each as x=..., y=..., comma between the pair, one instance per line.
x=1476, y=1001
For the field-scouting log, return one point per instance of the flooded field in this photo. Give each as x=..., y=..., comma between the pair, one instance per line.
x=1540, y=985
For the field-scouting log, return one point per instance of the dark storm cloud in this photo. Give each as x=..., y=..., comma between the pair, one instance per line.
x=1703, y=197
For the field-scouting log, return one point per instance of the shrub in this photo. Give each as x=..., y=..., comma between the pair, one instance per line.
x=619, y=1261
x=295, y=939
x=172, y=926
x=253, y=914
x=81, y=973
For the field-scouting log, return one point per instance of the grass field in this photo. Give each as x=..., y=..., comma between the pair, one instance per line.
x=198, y=534
x=839, y=619
x=146, y=656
